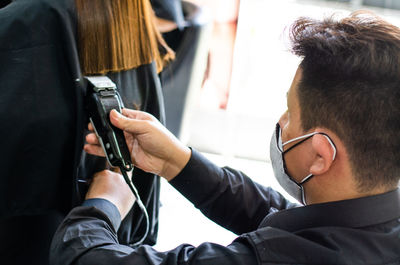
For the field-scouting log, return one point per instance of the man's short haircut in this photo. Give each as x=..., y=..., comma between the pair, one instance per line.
x=351, y=85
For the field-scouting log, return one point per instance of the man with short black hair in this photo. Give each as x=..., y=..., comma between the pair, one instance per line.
x=336, y=150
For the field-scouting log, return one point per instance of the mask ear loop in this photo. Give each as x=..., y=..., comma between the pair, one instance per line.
x=332, y=144
x=303, y=195
x=304, y=138
x=300, y=137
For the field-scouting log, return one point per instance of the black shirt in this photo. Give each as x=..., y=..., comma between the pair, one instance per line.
x=272, y=230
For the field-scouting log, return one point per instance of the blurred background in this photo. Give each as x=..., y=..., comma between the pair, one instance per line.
x=235, y=93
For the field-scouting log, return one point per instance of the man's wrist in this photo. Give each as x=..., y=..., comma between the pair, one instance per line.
x=177, y=163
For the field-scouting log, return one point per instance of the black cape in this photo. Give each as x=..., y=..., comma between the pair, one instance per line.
x=43, y=123
x=169, y=10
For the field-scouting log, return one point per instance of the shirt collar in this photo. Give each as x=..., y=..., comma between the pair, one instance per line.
x=360, y=212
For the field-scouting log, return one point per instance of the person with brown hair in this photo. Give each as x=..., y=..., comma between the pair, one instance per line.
x=46, y=48
x=335, y=149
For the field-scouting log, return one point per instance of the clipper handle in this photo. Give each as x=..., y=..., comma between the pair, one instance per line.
x=100, y=102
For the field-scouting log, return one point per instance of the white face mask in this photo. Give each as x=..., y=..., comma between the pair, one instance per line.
x=292, y=187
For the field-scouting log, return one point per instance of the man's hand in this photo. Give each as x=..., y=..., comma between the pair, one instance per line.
x=112, y=186
x=153, y=148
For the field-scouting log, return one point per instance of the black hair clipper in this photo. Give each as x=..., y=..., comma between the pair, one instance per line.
x=102, y=97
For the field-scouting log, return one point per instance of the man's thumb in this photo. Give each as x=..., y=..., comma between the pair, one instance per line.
x=125, y=123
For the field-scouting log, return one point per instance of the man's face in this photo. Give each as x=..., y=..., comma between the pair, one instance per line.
x=297, y=161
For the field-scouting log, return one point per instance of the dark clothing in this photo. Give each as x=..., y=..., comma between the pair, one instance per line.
x=43, y=120
x=169, y=10
x=273, y=230
x=40, y=107
x=26, y=239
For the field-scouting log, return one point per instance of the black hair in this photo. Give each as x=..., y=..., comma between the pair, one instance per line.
x=350, y=85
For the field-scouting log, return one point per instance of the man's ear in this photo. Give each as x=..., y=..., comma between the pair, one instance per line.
x=325, y=154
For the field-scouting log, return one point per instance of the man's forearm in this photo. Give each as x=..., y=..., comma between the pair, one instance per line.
x=84, y=228
x=87, y=236
x=227, y=196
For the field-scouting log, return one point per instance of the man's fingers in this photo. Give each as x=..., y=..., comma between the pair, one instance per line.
x=91, y=138
x=94, y=150
x=90, y=127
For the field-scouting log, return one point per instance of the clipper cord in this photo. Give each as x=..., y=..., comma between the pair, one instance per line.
x=140, y=204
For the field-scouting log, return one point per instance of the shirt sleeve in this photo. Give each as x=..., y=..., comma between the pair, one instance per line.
x=227, y=196
x=110, y=210
x=87, y=237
